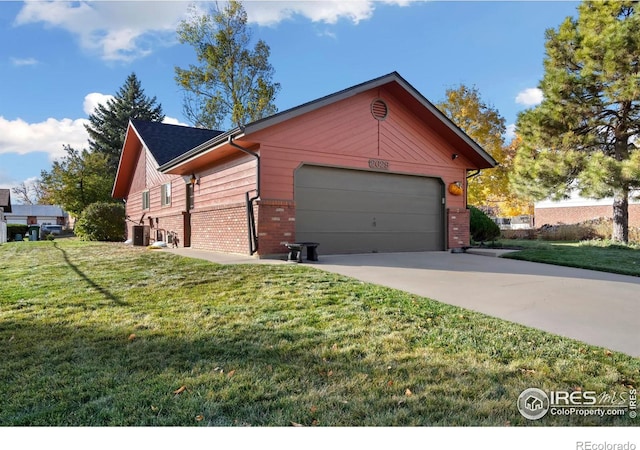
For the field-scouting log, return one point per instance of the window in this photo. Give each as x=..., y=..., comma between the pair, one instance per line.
x=165, y=194
x=145, y=200
x=190, y=197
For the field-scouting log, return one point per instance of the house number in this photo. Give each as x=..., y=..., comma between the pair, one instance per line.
x=379, y=164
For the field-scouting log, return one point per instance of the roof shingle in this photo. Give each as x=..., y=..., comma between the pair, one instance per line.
x=166, y=141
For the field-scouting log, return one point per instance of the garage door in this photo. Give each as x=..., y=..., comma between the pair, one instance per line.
x=353, y=211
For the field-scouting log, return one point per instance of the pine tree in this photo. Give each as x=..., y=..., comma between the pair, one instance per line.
x=581, y=137
x=108, y=124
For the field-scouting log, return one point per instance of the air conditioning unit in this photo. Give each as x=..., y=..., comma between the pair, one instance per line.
x=141, y=235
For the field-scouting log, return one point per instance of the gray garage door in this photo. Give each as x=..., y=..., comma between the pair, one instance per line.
x=353, y=211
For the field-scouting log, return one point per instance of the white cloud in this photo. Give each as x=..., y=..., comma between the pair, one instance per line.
x=124, y=31
x=530, y=97
x=24, y=61
x=92, y=100
x=510, y=132
x=174, y=121
x=119, y=31
x=18, y=136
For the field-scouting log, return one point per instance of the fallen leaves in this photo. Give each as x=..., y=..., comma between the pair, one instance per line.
x=408, y=392
x=180, y=390
x=199, y=418
x=131, y=337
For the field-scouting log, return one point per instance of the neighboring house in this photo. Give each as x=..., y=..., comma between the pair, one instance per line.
x=578, y=209
x=373, y=168
x=5, y=207
x=37, y=215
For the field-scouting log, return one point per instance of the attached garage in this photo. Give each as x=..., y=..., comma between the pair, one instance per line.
x=372, y=168
x=357, y=211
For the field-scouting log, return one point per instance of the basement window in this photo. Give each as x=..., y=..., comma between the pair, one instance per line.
x=165, y=194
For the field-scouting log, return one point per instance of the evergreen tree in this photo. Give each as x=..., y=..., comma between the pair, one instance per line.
x=108, y=124
x=581, y=137
x=232, y=84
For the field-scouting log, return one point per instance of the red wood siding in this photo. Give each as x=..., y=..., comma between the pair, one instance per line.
x=225, y=183
x=169, y=217
x=345, y=134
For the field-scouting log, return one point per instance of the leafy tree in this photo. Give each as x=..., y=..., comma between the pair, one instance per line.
x=102, y=222
x=108, y=124
x=581, y=136
x=30, y=193
x=483, y=123
x=77, y=180
x=231, y=84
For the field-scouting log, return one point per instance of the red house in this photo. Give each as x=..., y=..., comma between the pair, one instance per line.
x=373, y=168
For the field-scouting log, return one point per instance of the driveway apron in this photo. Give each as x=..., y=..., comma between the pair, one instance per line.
x=598, y=308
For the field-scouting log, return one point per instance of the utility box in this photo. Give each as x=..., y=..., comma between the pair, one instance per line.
x=141, y=235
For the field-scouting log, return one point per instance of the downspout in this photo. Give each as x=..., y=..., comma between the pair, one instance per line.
x=466, y=192
x=251, y=221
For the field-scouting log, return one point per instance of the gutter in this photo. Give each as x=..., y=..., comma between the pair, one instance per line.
x=251, y=221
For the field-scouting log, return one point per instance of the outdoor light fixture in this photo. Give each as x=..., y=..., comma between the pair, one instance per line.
x=194, y=180
x=454, y=156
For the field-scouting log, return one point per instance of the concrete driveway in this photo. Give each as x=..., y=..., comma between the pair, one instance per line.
x=595, y=307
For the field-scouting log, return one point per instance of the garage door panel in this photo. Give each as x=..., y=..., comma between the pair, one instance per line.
x=370, y=201
x=345, y=242
x=342, y=221
x=350, y=211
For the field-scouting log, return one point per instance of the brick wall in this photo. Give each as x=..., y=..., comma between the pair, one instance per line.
x=458, y=227
x=577, y=214
x=221, y=228
x=276, y=225
x=166, y=224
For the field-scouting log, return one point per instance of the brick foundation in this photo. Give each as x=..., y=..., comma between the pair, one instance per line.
x=276, y=225
x=221, y=229
x=458, y=234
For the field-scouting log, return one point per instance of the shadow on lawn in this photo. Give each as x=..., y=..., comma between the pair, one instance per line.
x=96, y=376
x=107, y=294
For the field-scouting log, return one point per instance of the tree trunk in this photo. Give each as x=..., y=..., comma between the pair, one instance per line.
x=620, y=232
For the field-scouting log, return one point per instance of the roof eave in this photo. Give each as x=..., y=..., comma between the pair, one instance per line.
x=209, y=145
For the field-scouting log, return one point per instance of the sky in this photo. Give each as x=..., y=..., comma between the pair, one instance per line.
x=59, y=59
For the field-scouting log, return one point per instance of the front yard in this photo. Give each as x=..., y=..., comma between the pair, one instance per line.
x=103, y=334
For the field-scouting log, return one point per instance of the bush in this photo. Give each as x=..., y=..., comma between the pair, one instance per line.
x=101, y=222
x=13, y=229
x=482, y=227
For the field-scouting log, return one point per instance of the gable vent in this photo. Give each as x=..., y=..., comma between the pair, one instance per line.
x=379, y=109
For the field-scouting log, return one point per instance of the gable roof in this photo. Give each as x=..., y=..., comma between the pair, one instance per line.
x=397, y=85
x=166, y=141
x=5, y=200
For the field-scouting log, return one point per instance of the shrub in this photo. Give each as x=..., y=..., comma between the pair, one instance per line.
x=101, y=222
x=13, y=229
x=482, y=227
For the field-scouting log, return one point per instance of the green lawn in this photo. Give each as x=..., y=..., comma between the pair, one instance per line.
x=104, y=334
x=602, y=256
